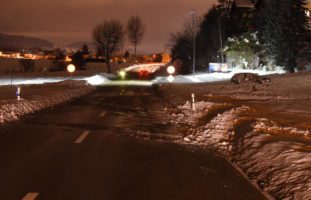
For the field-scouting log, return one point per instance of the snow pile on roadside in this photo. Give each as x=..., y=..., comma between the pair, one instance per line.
x=217, y=76
x=215, y=133
x=264, y=125
x=31, y=81
x=93, y=80
x=277, y=159
x=185, y=111
x=219, y=131
x=97, y=80
x=14, y=110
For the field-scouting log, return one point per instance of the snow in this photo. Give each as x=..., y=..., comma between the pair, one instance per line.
x=31, y=81
x=11, y=110
x=97, y=80
x=276, y=156
x=103, y=79
x=93, y=80
x=218, y=76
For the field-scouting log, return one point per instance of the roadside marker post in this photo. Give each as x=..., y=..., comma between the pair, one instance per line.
x=193, y=102
x=18, y=93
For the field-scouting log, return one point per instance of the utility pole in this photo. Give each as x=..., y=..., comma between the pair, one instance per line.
x=220, y=33
x=194, y=40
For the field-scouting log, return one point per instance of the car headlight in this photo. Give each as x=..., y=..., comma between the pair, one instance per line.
x=122, y=74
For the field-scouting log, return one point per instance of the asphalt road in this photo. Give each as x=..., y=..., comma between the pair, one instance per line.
x=80, y=151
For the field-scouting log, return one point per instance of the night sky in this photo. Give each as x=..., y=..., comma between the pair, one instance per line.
x=67, y=21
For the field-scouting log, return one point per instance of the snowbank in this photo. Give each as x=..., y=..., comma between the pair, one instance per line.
x=103, y=78
x=30, y=80
x=214, y=77
x=277, y=158
x=97, y=80
x=11, y=110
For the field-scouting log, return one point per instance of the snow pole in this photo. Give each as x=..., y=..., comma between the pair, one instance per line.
x=193, y=102
x=18, y=93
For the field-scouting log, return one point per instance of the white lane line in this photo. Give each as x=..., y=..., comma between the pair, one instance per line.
x=82, y=137
x=103, y=114
x=31, y=196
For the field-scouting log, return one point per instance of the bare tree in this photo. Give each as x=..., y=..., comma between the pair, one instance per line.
x=135, y=31
x=110, y=37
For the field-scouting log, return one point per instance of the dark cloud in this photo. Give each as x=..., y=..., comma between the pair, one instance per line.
x=66, y=21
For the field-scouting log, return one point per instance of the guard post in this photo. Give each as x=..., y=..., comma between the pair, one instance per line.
x=18, y=93
x=193, y=102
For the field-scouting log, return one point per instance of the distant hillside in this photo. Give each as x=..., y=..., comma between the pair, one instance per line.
x=78, y=45
x=22, y=42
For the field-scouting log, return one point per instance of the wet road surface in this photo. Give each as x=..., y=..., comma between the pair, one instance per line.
x=80, y=151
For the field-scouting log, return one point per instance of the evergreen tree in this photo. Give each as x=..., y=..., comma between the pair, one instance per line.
x=282, y=26
x=211, y=37
x=78, y=60
x=181, y=48
x=85, y=50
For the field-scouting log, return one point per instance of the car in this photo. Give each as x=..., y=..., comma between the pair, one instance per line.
x=141, y=71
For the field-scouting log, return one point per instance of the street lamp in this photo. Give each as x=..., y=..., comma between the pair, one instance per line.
x=71, y=69
x=170, y=70
x=192, y=12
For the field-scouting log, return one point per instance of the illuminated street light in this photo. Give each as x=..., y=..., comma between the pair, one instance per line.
x=71, y=68
x=170, y=70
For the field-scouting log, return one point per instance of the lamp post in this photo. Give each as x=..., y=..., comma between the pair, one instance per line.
x=170, y=70
x=192, y=12
x=71, y=69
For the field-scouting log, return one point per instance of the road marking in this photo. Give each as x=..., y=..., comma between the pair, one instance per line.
x=103, y=114
x=82, y=137
x=31, y=196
